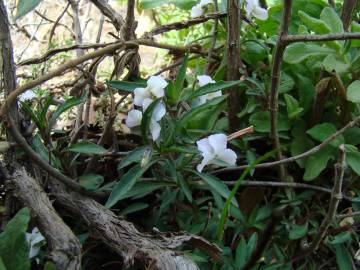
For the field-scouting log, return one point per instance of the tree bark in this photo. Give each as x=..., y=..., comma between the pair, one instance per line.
x=233, y=60
x=152, y=251
x=64, y=246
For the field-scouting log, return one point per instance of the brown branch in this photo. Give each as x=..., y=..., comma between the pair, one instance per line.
x=64, y=246
x=152, y=251
x=327, y=37
x=336, y=196
x=349, y=7
x=274, y=90
x=233, y=61
x=352, y=214
x=109, y=12
x=56, y=22
x=213, y=40
x=294, y=158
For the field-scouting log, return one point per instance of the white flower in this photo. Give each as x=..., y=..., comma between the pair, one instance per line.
x=28, y=95
x=34, y=240
x=197, y=10
x=154, y=89
x=214, y=148
x=134, y=118
x=253, y=8
x=204, y=80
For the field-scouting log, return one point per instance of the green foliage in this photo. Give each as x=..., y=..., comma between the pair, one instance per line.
x=14, y=250
x=25, y=6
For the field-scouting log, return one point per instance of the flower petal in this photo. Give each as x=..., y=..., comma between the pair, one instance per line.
x=260, y=13
x=159, y=112
x=27, y=95
x=204, y=80
x=133, y=118
x=156, y=81
x=213, y=95
x=155, y=129
x=218, y=142
x=205, y=147
x=196, y=11
x=205, y=2
x=157, y=92
x=206, y=161
x=140, y=94
x=146, y=103
x=228, y=156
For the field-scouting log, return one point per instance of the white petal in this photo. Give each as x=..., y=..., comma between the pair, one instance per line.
x=260, y=13
x=205, y=2
x=157, y=92
x=159, y=112
x=156, y=81
x=228, y=156
x=204, y=80
x=28, y=95
x=249, y=7
x=140, y=94
x=204, y=146
x=155, y=129
x=196, y=11
x=146, y=103
x=218, y=142
x=133, y=118
x=206, y=161
x=34, y=251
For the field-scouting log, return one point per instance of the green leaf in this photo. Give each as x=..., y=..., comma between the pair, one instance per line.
x=334, y=62
x=300, y=142
x=125, y=86
x=292, y=105
x=298, y=52
x=14, y=250
x=49, y=266
x=241, y=253
x=261, y=122
x=146, y=120
x=189, y=115
x=41, y=149
x=144, y=188
x=33, y=115
x=286, y=83
x=25, y=6
x=341, y=238
x=353, y=92
x=353, y=160
x=91, y=181
x=316, y=163
x=134, y=208
x=343, y=258
x=332, y=20
x=126, y=183
x=216, y=184
x=86, y=147
x=44, y=110
x=316, y=25
x=185, y=187
x=213, y=87
x=180, y=78
x=183, y=4
x=66, y=106
x=133, y=157
x=323, y=131
x=2, y=265
x=298, y=231
x=352, y=136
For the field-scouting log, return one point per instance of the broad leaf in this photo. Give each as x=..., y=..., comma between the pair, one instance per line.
x=323, y=131
x=14, y=250
x=316, y=163
x=298, y=231
x=298, y=52
x=25, y=6
x=332, y=20
x=343, y=258
x=134, y=208
x=91, y=181
x=261, y=122
x=353, y=92
x=134, y=156
x=86, y=147
x=180, y=78
x=293, y=108
x=353, y=159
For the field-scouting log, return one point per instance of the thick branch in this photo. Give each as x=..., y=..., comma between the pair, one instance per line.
x=64, y=246
x=233, y=61
x=153, y=251
x=347, y=12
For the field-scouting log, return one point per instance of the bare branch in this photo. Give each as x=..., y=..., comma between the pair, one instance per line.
x=349, y=7
x=65, y=248
x=326, y=37
x=275, y=78
x=109, y=12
